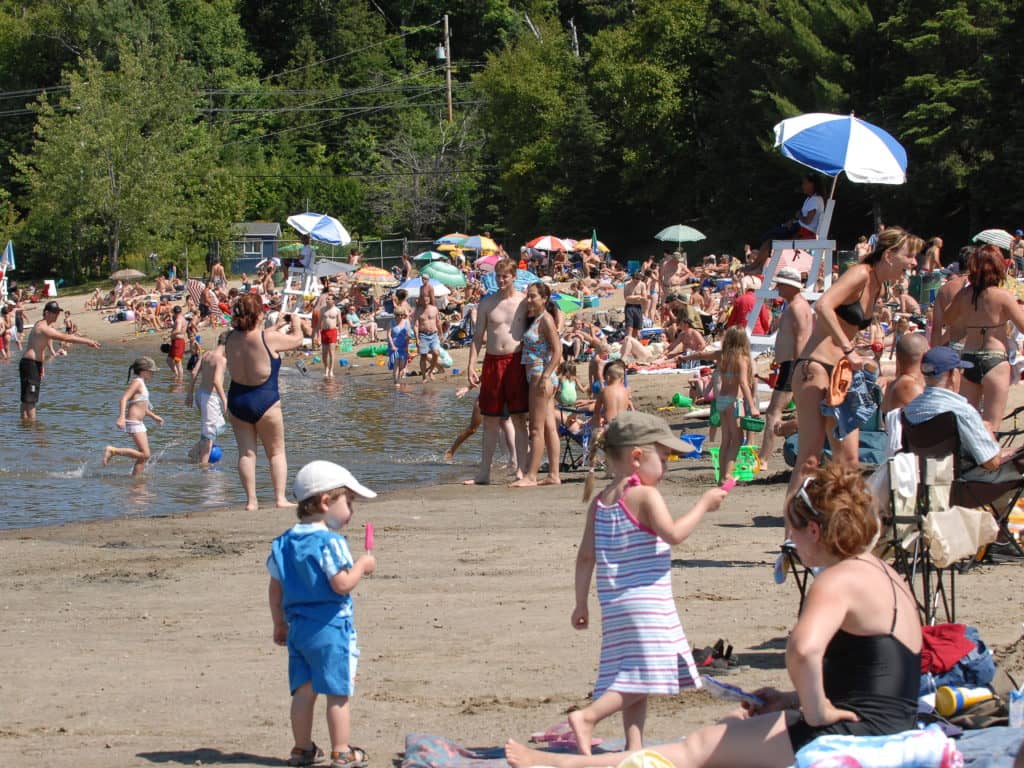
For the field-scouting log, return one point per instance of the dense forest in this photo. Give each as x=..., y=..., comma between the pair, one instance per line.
x=137, y=126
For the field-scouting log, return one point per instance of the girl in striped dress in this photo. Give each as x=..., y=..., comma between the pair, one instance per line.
x=629, y=537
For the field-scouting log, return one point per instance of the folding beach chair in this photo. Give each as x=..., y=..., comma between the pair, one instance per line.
x=576, y=444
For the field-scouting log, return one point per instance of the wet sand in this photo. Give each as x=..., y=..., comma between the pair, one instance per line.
x=142, y=642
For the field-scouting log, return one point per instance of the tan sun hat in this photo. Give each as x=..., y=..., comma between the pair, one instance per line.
x=634, y=428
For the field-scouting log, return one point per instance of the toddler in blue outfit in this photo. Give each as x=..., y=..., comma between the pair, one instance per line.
x=312, y=575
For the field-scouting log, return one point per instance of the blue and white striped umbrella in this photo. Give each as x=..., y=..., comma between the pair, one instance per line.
x=834, y=144
x=522, y=280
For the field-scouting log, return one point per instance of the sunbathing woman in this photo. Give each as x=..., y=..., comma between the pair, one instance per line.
x=842, y=311
x=983, y=309
x=853, y=656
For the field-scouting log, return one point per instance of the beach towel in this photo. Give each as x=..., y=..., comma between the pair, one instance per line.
x=930, y=748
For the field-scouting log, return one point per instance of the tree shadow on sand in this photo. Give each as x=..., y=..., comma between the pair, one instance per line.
x=208, y=756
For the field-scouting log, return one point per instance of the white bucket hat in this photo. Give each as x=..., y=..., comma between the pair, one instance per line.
x=788, y=276
x=322, y=476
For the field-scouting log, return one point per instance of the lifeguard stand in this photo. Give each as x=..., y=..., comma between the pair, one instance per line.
x=300, y=283
x=822, y=251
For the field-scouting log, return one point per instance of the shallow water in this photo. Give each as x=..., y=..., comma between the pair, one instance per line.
x=52, y=472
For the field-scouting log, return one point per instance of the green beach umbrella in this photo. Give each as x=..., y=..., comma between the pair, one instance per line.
x=447, y=274
x=429, y=256
x=290, y=248
x=679, y=233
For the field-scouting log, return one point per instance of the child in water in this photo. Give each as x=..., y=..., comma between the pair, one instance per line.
x=398, y=344
x=629, y=537
x=135, y=406
x=312, y=575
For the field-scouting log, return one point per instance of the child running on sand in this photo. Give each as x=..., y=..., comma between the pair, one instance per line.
x=135, y=406
x=312, y=575
x=629, y=536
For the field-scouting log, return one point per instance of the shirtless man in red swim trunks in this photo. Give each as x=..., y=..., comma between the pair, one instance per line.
x=501, y=318
x=178, y=333
x=330, y=321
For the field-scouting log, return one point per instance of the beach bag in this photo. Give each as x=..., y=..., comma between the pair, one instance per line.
x=957, y=533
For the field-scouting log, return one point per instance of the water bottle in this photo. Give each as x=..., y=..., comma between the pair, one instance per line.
x=1017, y=709
x=949, y=700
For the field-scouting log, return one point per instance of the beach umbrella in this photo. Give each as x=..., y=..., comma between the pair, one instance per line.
x=450, y=248
x=413, y=284
x=321, y=227
x=429, y=256
x=486, y=263
x=290, y=248
x=327, y=268
x=834, y=144
x=997, y=237
x=549, y=243
x=588, y=244
x=127, y=274
x=479, y=243
x=7, y=259
x=568, y=304
x=524, y=278
x=374, y=276
x=453, y=238
x=445, y=273
x=679, y=234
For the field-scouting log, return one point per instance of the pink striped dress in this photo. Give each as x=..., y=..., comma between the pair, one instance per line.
x=643, y=648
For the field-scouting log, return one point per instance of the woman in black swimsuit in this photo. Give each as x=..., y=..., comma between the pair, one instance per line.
x=842, y=311
x=853, y=656
x=981, y=311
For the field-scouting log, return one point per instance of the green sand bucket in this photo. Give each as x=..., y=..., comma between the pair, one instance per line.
x=752, y=424
x=746, y=463
x=345, y=345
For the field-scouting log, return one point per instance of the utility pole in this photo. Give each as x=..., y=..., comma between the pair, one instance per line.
x=448, y=68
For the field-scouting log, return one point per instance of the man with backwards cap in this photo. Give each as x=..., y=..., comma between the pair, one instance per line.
x=30, y=369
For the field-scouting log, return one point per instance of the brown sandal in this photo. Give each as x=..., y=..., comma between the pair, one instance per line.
x=354, y=758
x=306, y=756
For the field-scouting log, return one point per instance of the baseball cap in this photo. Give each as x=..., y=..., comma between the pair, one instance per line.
x=323, y=476
x=636, y=428
x=52, y=306
x=788, y=276
x=1019, y=233
x=938, y=360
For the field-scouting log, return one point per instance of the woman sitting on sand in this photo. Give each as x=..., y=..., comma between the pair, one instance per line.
x=853, y=656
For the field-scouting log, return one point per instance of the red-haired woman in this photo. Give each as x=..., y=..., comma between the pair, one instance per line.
x=981, y=311
x=254, y=405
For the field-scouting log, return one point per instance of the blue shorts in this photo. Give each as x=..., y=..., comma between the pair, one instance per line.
x=428, y=342
x=326, y=656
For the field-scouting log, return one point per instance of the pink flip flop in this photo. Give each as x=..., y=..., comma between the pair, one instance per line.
x=560, y=736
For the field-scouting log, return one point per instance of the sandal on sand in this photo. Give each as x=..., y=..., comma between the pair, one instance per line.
x=354, y=758
x=561, y=737
x=306, y=756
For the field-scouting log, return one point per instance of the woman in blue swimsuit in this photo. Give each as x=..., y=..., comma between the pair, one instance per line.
x=853, y=656
x=254, y=406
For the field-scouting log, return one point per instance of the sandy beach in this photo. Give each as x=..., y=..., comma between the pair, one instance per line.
x=147, y=641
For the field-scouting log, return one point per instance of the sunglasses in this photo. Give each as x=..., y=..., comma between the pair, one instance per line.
x=802, y=495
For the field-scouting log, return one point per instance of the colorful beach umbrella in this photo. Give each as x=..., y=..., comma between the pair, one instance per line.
x=588, y=244
x=453, y=238
x=549, y=243
x=486, y=263
x=834, y=144
x=374, y=276
x=479, y=243
x=290, y=248
x=413, y=285
x=1000, y=238
x=320, y=227
x=524, y=278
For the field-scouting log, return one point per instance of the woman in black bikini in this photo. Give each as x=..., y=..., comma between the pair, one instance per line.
x=853, y=656
x=842, y=311
x=982, y=310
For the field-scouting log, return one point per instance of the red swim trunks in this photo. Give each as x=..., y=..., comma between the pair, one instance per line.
x=177, y=350
x=503, y=386
x=329, y=336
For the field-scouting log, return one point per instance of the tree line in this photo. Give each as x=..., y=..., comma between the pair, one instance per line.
x=133, y=126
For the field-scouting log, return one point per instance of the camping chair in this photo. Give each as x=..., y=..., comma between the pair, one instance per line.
x=936, y=443
x=577, y=444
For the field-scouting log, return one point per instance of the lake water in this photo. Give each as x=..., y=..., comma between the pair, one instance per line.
x=52, y=472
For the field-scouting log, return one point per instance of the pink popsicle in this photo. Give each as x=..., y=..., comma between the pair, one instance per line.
x=729, y=484
x=368, y=538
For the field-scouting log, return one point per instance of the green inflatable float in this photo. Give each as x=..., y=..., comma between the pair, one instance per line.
x=373, y=350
